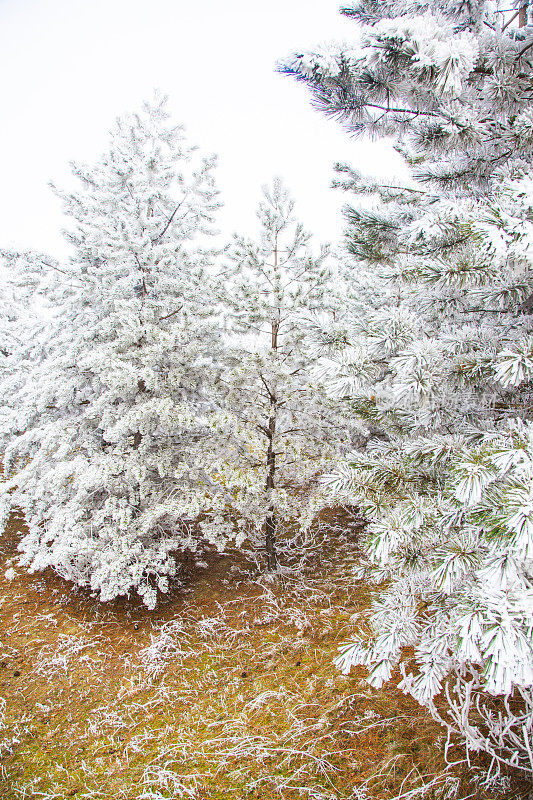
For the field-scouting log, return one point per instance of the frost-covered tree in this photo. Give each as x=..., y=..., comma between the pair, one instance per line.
x=11, y=315
x=107, y=439
x=440, y=360
x=24, y=329
x=23, y=313
x=282, y=431
x=449, y=78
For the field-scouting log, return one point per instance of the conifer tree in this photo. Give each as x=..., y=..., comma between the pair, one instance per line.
x=106, y=449
x=440, y=361
x=281, y=427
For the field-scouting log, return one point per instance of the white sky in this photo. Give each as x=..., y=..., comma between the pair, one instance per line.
x=70, y=67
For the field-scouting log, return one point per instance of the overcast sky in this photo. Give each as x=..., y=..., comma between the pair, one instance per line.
x=69, y=67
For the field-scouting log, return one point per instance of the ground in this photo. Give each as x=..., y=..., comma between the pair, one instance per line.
x=228, y=690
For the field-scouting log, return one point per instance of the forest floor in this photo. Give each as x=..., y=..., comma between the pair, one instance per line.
x=227, y=691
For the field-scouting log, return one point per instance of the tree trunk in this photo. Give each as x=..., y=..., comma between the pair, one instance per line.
x=270, y=542
x=271, y=521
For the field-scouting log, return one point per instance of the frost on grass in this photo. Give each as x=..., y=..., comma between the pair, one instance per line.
x=160, y=779
x=168, y=643
x=213, y=704
x=55, y=659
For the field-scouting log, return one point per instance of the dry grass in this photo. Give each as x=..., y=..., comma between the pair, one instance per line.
x=227, y=691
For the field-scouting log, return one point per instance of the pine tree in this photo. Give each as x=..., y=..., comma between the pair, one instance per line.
x=440, y=360
x=107, y=447
x=448, y=78
x=281, y=428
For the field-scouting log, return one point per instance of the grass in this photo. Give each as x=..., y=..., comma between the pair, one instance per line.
x=227, y=691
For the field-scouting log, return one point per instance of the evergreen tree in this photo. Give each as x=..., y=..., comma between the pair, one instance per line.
x=281, y=428
x=107, y=447
x=440, y=360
